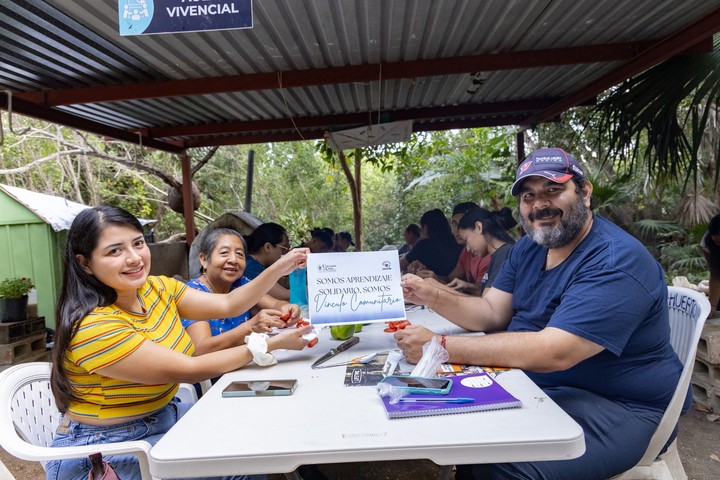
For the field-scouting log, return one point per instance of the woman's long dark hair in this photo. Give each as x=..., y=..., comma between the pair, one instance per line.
x=438, y=227
x=713, y=249
x=325, y=235
x=81, y=292
x=271, y=233
x=495, y=224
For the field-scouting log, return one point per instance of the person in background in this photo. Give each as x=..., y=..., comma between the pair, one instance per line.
x=343, y=240
x=585, y=306
x=411, y=236
x=222, y=256
x=710, y=245
x=437, y=249
x=485, y=235
x=322, y=240
x=469, y=270
x=265, y=245
x=120, y=350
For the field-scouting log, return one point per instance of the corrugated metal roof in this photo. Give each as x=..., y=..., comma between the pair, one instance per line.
x=330, y=64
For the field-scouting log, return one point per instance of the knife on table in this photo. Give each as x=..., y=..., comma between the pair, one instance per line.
x=340, y=348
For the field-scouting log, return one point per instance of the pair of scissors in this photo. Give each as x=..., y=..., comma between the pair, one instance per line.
x=359, y=360
x=340, y=348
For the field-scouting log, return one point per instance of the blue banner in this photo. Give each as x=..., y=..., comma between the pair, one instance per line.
x=143, y=17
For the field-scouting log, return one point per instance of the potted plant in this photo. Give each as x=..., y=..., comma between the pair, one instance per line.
x=14, y=298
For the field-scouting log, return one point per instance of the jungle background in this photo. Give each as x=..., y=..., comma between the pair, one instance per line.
x=663, y=195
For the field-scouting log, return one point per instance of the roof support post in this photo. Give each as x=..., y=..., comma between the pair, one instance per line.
x=187, y=198
x=249, y=181
x=520, y=146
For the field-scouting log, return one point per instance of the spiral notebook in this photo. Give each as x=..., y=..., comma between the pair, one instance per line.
x=469, y=393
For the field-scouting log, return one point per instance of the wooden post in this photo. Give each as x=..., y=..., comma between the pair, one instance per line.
x=520, y=146
x=188, y=211
x=249, y=181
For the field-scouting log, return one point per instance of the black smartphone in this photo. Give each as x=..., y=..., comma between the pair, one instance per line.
x=260, y=388
x=422, y=385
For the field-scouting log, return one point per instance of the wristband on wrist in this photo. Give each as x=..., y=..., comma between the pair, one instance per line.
x=257, y=343
x=443, y=339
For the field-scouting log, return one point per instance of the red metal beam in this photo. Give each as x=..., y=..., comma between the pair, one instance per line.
x=337, y=75
x=698, y=34
x=63, y=118
x=319, y=133
x=361, y=118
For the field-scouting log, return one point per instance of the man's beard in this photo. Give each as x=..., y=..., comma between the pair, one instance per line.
x=570, y=226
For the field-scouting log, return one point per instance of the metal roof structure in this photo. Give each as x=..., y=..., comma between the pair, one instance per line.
x=311, y=66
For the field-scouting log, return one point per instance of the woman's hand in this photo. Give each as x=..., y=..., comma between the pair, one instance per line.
x=411, y=340
x=265, y=320
x=417, y=290
x=415, y=266
x=290, y=339
x=295, y=258
x=427, y=273
x=461, y=285
x=290, y=314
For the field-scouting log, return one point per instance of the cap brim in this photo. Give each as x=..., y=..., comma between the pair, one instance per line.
x=552, y=176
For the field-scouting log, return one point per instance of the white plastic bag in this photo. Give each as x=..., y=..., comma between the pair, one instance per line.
x=433, y=356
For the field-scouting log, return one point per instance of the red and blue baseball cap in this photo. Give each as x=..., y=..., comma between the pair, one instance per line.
x=552, y=163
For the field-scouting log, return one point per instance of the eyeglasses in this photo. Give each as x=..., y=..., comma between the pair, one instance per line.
x=283, y=247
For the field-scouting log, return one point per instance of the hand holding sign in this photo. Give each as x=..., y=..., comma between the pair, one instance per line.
x=356, y=287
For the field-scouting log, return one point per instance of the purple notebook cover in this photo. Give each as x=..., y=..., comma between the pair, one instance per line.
x=486, y=392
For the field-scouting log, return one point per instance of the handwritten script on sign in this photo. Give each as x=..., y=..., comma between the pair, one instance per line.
x=355, y=287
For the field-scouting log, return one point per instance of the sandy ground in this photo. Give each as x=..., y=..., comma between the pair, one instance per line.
x=699, y=444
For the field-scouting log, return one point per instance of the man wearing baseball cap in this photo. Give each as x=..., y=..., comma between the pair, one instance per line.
x=585, y=309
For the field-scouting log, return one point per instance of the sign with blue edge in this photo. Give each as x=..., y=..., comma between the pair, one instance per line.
x=145, y=17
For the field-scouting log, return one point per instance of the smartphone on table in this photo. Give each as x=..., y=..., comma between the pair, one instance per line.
x=421, y=385
x=260, y=388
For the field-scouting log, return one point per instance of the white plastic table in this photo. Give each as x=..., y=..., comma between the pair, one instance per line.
x=327, y=422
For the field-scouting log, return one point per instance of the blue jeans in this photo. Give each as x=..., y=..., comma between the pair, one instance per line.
x=149, y=428
x=616, y=437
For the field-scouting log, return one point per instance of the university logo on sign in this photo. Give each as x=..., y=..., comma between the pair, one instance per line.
x=144, y=17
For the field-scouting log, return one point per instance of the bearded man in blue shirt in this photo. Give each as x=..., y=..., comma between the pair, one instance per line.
x=585, y=309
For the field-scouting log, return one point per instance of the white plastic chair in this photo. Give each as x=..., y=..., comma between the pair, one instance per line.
x=688, y=311
x=187, y=393
x=29, y=418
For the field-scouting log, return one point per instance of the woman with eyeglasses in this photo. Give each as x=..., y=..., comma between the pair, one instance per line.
x=265, y=245
x=222, y=256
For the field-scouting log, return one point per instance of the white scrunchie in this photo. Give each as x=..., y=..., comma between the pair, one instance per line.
x=258, y=346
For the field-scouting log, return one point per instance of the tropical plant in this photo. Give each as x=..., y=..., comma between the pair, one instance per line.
x=665, y=121
x=15, y=287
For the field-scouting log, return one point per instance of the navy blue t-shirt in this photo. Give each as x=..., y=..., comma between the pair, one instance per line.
x=610, y=291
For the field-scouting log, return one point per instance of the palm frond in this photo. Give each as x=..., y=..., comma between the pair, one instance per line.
x=661, y=115
x=648, y=228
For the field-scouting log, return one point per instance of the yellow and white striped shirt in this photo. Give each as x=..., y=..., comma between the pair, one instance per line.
x=109, y=334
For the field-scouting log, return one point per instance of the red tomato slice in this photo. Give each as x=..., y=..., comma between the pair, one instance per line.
x=312, y=342
x=402, y=324
x=390, y=330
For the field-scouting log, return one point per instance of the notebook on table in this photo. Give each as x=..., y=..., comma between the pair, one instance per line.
x=469, y=393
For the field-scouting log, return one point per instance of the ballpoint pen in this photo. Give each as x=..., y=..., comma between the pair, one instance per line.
x=438, y=400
